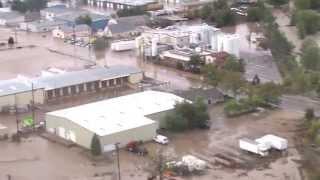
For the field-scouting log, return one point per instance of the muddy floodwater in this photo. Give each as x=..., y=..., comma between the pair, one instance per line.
x=50, y=52
x=38, y=158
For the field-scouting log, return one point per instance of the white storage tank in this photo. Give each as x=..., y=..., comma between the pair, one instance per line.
x=154, y=47
x=229, y=43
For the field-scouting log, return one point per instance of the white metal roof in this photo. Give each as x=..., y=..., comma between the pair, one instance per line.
x=120, y=113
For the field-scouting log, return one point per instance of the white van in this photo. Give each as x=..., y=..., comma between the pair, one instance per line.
x=161, y=139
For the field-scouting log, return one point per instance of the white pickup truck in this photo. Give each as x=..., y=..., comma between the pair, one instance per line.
x=254, y=147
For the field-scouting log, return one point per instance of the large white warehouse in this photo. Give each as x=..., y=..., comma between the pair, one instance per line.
x=117, y=120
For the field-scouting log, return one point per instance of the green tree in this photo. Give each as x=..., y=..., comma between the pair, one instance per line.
x=175, y=122
x=302, y=4
x=187, y=116
x=224, y=17
x=233, y=81
x=218, y=12
x=11, y=41
x=95, y=145
x=19, y=6
x=35, y=5
x=212, y=75
x=278, y=43
x=28, y=5
x=278, y=2
x=195, y=60
x=130, y=12
x=309, y=114
x=205, y=12
x=308, y=22
x=269, y=92
x=233, y=64
x=86, y=19
x=310, y=57
x=255, y=14
x=315, y=4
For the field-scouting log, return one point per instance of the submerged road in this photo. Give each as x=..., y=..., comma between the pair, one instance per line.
x=299, y=104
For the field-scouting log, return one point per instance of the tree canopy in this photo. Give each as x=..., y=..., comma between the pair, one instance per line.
x=308, y=22
x=218, y=12
x=86, y=19
x=278, y=2
x=187, y=116
x=95, y=145
x=307, y=4
x=130, y=12
x=310, y=57
x=28, y=5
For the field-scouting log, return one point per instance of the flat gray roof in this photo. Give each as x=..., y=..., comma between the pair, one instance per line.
x=10, y=15
x=18, y=85
x=80, y=77
x=130, y=2
x=58, y=9
x=13, y=86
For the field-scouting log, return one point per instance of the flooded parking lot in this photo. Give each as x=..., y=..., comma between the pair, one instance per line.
x=56, y=161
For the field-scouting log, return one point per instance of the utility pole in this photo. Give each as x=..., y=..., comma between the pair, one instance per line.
x=74, y=45
x=16, y=113
x=16, y=35
x=32, y=106
x=118, y=160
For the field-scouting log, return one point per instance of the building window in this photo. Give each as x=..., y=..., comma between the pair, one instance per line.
x=50, y=94
x=57, y=92
x=104, y=84
x=65, y=91
x=81, y=88
x=111, y=82
x=88, y=86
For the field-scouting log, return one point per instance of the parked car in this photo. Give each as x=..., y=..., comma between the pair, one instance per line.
x=161, y=139
x=135, y=147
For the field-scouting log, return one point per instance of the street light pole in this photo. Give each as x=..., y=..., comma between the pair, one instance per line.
x=16, y=113
x=32, y=106
x=118, y=160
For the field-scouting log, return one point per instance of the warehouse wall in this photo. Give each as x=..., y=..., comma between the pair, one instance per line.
x=6, y=101
x=144, y=133
x=26, y=97
x=160, y=118
x=135, y=78
x=22, y=99
x=83, y=136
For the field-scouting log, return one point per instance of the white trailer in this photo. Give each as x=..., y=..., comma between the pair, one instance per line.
x=253, y=147
x=194, y=163
x=273, y=141
x=123, y=45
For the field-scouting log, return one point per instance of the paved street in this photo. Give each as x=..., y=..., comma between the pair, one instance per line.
x=299, y=104
x=262, y=64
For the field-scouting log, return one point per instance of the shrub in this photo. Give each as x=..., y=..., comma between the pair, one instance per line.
x=95, y=145
x=309, y=114
x=314, y=130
